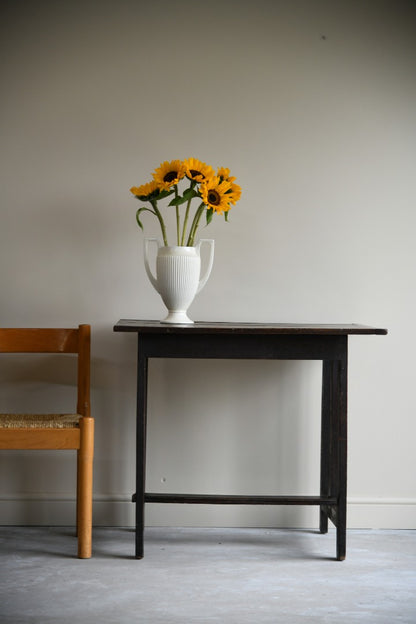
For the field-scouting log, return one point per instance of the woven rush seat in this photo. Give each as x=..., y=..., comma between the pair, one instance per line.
x=39, y=421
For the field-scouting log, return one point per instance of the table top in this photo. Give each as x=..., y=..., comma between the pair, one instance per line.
x=203, y=327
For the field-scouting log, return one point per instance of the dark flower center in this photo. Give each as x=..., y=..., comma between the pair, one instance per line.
x=214, y=198
x=170, y=176
x=195, y=173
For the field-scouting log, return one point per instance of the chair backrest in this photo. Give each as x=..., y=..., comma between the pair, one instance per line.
x=56, y=340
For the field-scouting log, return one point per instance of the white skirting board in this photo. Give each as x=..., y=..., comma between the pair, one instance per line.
x=380, y=513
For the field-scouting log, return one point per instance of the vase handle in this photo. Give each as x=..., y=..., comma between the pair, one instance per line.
x=150, y=275
x=207, y=273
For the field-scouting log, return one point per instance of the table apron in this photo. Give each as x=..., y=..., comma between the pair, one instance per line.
x=247, y=346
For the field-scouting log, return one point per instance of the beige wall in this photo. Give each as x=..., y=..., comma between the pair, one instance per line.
x=312, y=105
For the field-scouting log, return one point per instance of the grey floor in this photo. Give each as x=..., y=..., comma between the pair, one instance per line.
x=232, y=576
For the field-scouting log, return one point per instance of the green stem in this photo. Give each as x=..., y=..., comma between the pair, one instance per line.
x=185, y=222
x=162, y=223
x=194, y=226
x=178, y=219
x=143, y=209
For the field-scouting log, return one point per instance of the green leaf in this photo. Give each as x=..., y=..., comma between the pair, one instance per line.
x=163, y=194
x=210, y=214
x=190, y=193
x=177, y=201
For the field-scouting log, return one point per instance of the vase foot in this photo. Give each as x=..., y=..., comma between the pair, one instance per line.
x=178, y=317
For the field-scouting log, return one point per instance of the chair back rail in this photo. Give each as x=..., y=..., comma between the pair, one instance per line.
x=39, y=340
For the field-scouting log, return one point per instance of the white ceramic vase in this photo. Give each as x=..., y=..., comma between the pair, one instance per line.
x=178, y=276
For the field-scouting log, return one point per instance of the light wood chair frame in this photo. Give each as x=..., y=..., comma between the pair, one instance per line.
x=80, y=437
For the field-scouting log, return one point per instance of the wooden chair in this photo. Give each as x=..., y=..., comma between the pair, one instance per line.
x=57, y=431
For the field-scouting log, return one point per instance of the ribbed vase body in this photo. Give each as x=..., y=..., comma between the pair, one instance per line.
x=177, y=272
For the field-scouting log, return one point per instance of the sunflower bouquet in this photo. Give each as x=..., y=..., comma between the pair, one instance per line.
x=216, y=193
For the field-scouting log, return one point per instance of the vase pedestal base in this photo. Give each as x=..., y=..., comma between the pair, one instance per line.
x=177, y=317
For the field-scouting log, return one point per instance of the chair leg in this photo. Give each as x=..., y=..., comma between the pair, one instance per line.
x=84, y=487
x=77, y=508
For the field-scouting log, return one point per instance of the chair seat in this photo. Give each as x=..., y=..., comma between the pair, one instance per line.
x=39, y=421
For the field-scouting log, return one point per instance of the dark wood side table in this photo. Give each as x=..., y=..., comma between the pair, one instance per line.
x=328, y=343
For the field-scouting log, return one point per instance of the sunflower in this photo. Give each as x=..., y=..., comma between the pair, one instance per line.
x=197, y=170
x=224, y=174
x=145, y=191
x=235, y=193
x=235, y=190
x=169, y=174
x=215, y=194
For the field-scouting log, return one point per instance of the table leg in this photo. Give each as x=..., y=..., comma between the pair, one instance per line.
x=334, y=449
x=326, y=454
x=142, y=370
x=342, y=458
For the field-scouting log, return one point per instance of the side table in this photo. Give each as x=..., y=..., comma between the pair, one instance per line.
x=328, y=343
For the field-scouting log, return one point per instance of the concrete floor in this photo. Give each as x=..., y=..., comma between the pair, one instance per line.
x=231, y=576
